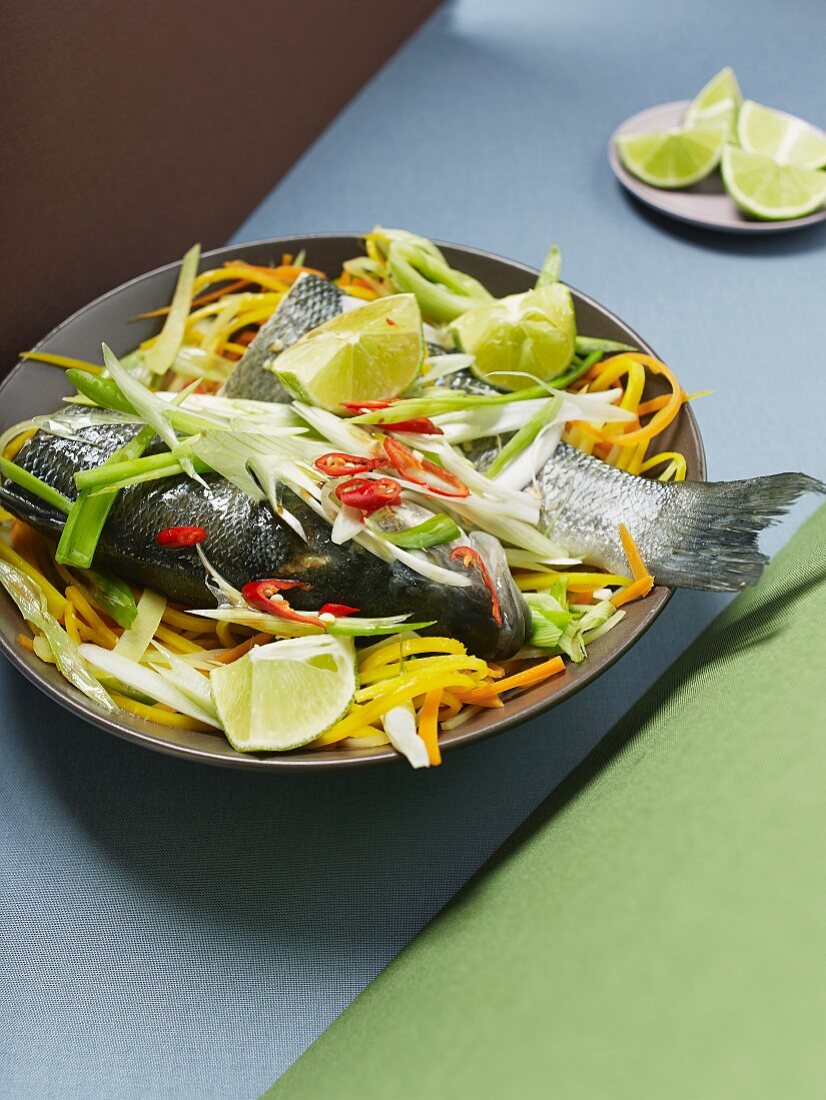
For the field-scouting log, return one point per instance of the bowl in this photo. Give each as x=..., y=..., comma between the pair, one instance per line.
x=34, y=388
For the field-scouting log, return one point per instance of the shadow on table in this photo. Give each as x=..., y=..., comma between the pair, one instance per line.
x=342, y=863
x=795, y=242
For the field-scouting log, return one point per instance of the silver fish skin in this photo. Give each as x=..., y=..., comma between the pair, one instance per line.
x=691, y=534
x=309, y=303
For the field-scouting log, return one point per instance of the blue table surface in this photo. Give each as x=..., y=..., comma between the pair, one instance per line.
x=170, y=930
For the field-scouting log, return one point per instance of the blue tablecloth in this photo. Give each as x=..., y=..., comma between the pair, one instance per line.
x=175, y=931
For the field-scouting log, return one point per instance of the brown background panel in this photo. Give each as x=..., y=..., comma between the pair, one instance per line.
x=131, y=130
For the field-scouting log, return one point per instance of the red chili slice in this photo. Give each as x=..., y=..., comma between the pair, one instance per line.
x=368, y=406
x=341, y=464
x=421, y=471
x=368, y=496
x=471, y=559
x=265, y=595
x=338, y=609
x=178, y=537
x=422, y=425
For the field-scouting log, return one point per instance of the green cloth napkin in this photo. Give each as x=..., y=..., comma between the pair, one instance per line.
x=658, y=927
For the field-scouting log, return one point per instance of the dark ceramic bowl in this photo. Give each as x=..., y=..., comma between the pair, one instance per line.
x=34, y=388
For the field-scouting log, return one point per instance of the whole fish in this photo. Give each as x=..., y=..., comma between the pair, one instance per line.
x=309, y=303
x=247, y=542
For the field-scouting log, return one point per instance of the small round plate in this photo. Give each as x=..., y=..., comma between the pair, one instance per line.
x=706, y=203
x=34, y=388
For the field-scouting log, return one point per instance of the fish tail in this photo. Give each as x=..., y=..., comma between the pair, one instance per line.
x=710, y=540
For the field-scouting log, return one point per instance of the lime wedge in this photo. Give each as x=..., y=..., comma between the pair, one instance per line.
x=282, y=695
x=717, y=103
x=672, y=158
x=368, y=354
x=533, y=333
x=768, y=190
x=786, y=139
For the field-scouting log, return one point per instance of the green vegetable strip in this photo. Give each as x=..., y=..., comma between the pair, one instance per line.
x=171, y=469
x=550, y=268
x=448, y=401
x=85, y=521
x=105, y=393
x=525, y=436
x=442, y=293
x=563, y=381
x=111, y=472
x=432, y=532
x=110, y=594
x=161, y=355
x=586, y=344
x=34, y=486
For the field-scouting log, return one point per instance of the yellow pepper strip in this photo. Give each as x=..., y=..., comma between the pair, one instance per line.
x=369, y=738
x=659, y=420
x=577, y=582
x=70, y=619
x=15, y=447
x=463, y=662
x=104, y=636
x=362, y=292
x=55, y=600
x=632, y=460
x=5, y=516
x=62, y=361
x=666, y=456
x=157, y=714
x=176, y=641
x=360, y=716
x=182, y=621
x=237, y=349
x=634, y=591
x=225, y=635
x=395, y=650
x=232, y=272
x=632, y=553
x=433, y=666
x=429, y=726
x=521, y=679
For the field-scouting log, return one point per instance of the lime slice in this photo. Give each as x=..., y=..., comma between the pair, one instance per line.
x=672, y=158
x=786, y=139
x=717, y=103
x=533, y=333
x=282, y=695
x=368, y=354
x=768, y=190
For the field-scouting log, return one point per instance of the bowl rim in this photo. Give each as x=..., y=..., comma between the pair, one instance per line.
x=139, y=731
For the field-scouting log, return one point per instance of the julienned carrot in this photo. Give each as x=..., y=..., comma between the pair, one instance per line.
x=429, y=725
x=530, y=676
x=242, y=648
x=634, y=591
x=632, y=552
x=25, y=641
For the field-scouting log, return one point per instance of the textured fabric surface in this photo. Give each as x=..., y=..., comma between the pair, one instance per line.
x=658, y=927
x=171, y=931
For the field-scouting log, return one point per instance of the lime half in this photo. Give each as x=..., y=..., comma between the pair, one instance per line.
x=717, y=103
x=532, y=333
x=672, y=158
x=284, y=694
x=771, y=191
x=368, y=354
x=786, y=139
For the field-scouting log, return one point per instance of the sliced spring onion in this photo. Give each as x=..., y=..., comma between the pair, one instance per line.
x=439, y=366
x=551, y=268
x=134, y=642
x=525, y=436
x=417, y=267
x=184, y=677
x=576, y=371
x=445, y=400
x=31, y=601
x=400, y=726
x=144, y=680
x=160, y=356
x=112, y=595
x=35, y=486
x=585, y=345
x=432, y=532
x=352, y=626
x=85, y=521
x=111, y=472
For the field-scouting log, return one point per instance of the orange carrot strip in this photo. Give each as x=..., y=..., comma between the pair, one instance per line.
x=243, y=647
x=632, y=553
x=26, y=642
x=530, y=676
x=429, y=725
x=634, y=591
